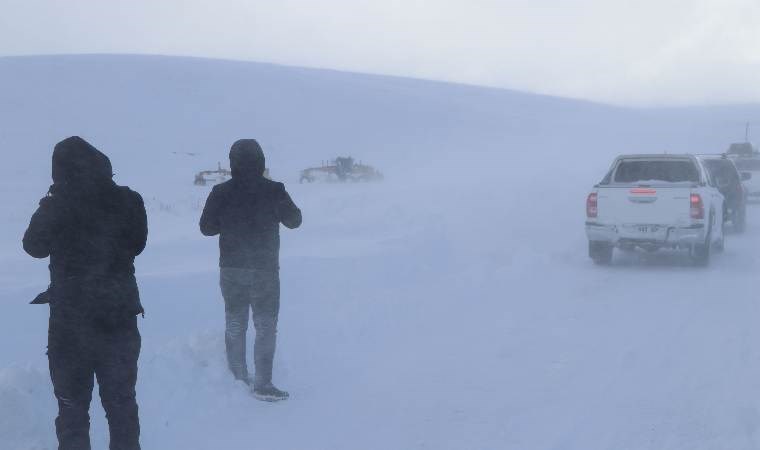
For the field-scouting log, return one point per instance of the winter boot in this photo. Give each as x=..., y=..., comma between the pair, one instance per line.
x=268, y=393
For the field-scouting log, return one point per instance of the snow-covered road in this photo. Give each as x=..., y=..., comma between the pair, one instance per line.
x=407, y=325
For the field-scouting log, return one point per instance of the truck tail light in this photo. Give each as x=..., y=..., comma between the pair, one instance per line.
x=697, y=207
x=643, y=191
x=592, y=206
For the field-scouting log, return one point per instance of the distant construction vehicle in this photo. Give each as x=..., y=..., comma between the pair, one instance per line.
x=217, y=176
x=220, y=175
x=340, y=170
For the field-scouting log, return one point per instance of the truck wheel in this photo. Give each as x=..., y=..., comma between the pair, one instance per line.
x=700, y=253
x=600, y=252
x=739, y=221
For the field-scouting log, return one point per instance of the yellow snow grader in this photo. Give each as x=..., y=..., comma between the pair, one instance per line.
x=341, y=169
x=217, y=176
x=220, y=175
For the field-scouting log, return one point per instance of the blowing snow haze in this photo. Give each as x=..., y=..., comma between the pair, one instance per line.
x=450, y=306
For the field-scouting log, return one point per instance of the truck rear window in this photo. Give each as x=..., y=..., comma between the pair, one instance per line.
x=671, y=171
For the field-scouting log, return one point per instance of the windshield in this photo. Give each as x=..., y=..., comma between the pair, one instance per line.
x=667, y=170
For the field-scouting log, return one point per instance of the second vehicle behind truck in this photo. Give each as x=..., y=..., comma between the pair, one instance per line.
x=730, y=183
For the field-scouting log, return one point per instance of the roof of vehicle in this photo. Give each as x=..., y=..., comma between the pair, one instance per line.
x=658, y=156
x=721, y=156
x=741, y=148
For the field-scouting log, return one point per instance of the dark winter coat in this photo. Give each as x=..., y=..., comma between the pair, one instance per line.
x=92, y=229
x=247, y=210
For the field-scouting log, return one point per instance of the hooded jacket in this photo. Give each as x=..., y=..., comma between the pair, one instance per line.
x=92, y=230
x=246, y=212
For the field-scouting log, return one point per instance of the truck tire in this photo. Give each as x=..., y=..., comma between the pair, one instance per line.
x=600, y=252
x=700, y=253
x=739, y=220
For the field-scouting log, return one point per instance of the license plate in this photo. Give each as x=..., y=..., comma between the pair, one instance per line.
x=647, y=229
x=646, y=232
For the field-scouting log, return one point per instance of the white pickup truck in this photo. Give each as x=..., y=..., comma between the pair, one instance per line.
x=652, y=202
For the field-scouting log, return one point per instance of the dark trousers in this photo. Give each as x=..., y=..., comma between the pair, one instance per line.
x=80, y=350
x=247, y=290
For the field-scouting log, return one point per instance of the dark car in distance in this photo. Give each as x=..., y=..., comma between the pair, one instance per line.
x=729, y=182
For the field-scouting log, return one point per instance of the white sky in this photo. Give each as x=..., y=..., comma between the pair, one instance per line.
x=639, y=52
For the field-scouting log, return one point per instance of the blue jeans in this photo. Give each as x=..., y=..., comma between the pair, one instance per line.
x=258, y=291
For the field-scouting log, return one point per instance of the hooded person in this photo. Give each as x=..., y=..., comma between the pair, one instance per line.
x=78, y=165
x=247, y=160
x=246, y=213
x=92, y=230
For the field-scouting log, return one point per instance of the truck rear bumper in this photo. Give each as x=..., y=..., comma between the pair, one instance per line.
x=671, y=236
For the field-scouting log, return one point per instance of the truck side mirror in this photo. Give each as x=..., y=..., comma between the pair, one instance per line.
x=746, y=176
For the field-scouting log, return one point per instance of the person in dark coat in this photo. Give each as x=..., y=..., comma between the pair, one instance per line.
x=246, y=213
x=92, y=230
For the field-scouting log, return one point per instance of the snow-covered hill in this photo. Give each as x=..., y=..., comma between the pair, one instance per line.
x=450, y=307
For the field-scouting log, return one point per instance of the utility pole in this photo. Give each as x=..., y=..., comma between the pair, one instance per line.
x=746, y=133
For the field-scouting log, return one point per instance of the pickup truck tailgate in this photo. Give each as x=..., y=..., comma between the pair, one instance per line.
x=634, y=206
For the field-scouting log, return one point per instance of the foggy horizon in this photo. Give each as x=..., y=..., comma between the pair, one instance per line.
x=651, y=53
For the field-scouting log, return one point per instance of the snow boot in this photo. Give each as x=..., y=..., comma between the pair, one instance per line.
x=269, y=393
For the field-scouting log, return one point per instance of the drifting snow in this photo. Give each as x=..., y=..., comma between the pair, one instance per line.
x=450, y=307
